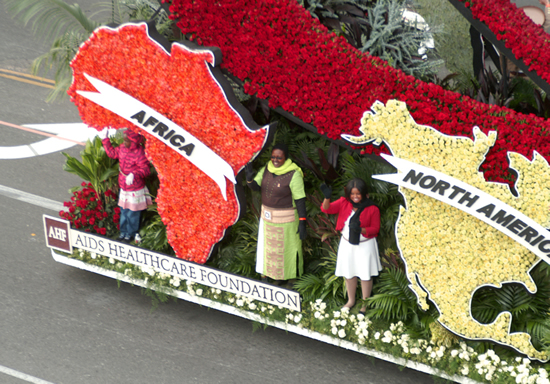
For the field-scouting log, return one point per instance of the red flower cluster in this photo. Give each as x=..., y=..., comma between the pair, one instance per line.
x=86, y=211
x=525, y=39
x=286, y=56
x=180, y=86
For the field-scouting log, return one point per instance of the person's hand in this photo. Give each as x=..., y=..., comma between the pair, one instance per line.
x=546, y=3
x=103, y=134
x=327, y=191
x=130, y=179
x=302, y=229
x=249, y=172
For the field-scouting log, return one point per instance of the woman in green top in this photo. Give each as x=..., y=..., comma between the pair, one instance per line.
x=283, y=215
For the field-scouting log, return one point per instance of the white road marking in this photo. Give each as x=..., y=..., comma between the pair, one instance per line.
x=31, y=199
x=73, y=131
x=22, y=376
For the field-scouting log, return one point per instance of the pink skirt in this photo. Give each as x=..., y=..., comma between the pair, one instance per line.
x=134, y=200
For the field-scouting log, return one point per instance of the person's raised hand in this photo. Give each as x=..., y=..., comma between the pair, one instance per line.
x=103, y=134
x=327, y=191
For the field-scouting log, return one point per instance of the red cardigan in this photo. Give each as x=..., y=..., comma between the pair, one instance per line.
x=369, y=219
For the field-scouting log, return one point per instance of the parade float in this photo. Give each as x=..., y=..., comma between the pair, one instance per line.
x=469, y=214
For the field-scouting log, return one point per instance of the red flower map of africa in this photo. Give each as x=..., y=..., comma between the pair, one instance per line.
x=181, y=84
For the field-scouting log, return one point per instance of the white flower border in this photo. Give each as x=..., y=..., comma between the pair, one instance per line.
x=276, y=324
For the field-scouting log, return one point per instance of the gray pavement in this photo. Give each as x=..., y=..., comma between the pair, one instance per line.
x=63, y=325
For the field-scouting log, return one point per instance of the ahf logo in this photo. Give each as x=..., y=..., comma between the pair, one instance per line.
x=57, y=234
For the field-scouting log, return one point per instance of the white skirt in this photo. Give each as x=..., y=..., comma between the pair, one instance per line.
x=360, y=260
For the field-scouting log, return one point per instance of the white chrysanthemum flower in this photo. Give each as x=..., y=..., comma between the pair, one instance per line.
x=111, y=260
x=341, y=333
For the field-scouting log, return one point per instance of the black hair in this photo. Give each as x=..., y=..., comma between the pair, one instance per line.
x=359, y=184
x=282, y=147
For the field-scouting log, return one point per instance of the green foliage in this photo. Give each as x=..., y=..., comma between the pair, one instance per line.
x=67, y=26
x=397, y=42
x=377, y=27
x=153, y=232
x=393, y=301
x=51, y=18
x=322, y=283
x=96, y=167
x=529, y=311
x=122, y=11
x=237, y=253
x=157, y=295
x=453, y=43
x=517, y=93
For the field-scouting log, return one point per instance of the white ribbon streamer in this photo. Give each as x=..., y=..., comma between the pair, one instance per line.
x=473, y=201
x=159, y=126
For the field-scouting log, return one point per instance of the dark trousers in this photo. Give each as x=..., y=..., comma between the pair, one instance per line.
x=129, y=222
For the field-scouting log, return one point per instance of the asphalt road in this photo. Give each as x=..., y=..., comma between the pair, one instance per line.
x=59, y=324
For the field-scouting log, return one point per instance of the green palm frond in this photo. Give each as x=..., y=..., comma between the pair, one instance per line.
x=394, y=282
x=388, y=306
x=529, y=311
x=51, y=18
x=238, y=253
x=68, y=27
x=59, y=58
x=153, y=233
x=394, y=300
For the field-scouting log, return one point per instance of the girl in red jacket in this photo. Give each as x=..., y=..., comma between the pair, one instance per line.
x=359, y=222
x=134, y=168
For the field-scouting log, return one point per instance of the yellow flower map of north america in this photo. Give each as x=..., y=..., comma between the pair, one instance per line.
x=449, y=254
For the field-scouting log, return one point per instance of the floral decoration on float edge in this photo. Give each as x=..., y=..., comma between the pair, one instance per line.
x=454, y=358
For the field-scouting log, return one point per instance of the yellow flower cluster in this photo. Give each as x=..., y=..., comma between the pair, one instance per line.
x=450, y=254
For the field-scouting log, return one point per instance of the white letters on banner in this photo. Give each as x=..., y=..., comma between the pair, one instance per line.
x=473, y=201
x=163, y=129
x=182, y=269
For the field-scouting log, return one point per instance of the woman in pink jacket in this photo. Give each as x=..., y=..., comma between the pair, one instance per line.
x=359, y=222
x=134, y=168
